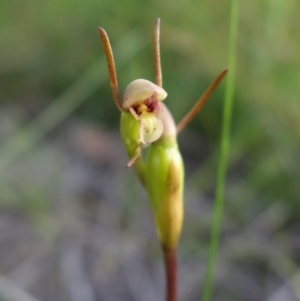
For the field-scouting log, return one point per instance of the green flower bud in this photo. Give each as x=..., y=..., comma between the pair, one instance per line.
x=145, y=120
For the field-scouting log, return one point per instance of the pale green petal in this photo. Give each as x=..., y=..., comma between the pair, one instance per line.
x=151, y=128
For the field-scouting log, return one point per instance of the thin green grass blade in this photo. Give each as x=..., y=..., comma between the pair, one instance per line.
x=224, y=154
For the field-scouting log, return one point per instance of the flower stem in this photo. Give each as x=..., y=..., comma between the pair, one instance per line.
x=170, y=259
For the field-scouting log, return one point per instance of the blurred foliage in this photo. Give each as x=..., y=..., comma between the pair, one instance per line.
x=48, y=48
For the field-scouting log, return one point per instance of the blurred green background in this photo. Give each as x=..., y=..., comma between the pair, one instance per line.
x=74, y=224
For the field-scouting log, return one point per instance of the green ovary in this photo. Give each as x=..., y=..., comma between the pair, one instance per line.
x=164, y=174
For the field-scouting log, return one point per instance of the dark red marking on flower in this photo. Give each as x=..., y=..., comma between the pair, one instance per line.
x=153, y=105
